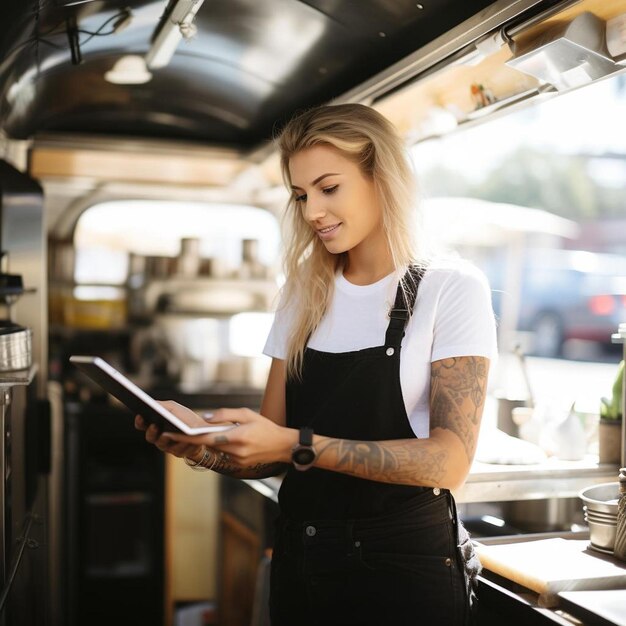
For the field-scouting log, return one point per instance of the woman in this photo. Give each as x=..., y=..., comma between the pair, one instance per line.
x=372, y=442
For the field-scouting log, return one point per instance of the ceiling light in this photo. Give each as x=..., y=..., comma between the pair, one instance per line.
x=129, y=70
x=569, y=55
x=178, y=23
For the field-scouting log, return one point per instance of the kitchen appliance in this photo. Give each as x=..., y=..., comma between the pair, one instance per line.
x=193, y=344
x=15, y=346
x=26, y=541
x=15, y=340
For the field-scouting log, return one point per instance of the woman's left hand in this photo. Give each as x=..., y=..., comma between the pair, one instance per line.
x=255, y=440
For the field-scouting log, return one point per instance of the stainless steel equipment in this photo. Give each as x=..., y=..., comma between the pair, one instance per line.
x=15, y=347
x=601, y=514
x=568, y=55
x=25, y=574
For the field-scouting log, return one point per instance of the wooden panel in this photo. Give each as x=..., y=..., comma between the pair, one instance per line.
x=131, y=166
x=191, y=520
x=450, y=89
x=604, y=9
x=241, y=553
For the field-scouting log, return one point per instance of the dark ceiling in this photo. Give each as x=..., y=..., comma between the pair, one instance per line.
x=251, y=64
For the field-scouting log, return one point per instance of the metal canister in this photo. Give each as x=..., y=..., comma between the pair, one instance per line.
x=15, y=347
x=619, y=549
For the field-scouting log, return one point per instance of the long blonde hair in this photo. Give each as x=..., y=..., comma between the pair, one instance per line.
x=364, y=136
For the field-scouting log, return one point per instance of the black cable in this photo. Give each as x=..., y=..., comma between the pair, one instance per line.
x=39, y=37
x=37, y=60
x=30, y=41
x=22, y=542
x=74, y=42
x=97, y=32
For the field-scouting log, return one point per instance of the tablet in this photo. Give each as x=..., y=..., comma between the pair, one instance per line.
x=139, y=401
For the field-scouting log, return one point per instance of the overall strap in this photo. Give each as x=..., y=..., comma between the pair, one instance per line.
x=403, y=306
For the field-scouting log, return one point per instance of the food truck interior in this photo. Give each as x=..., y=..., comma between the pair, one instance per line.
x=140, y=204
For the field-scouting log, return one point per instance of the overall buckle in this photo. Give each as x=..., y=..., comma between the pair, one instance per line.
x=399, y=314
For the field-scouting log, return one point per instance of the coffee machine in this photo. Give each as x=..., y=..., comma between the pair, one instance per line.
x=25, y=528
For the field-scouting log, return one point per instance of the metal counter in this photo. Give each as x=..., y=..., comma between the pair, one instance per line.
x=498, y=483
x=551, y=479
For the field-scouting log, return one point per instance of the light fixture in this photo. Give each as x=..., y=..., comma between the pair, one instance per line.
x=568, y=55
x=175, y=25
x=486, y=46
x=129, y=70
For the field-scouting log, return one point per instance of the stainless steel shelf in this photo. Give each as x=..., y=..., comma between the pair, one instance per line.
x=18, y=377
x=552, y=479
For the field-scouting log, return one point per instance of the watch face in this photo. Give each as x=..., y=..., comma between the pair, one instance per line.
x=303, y=456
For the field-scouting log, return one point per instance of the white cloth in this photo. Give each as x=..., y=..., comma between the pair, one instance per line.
x=453, y=317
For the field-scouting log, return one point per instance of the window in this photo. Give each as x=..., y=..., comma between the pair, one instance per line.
x=536, y=199
x=106, y=233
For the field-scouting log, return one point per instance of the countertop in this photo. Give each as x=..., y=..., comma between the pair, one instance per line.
x=551, y=479
x=602, y=601
x=604, y=608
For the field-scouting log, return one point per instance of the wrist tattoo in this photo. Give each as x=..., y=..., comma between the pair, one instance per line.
x=259, y=470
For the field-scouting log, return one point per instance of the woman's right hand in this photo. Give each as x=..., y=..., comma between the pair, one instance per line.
x=165, y=444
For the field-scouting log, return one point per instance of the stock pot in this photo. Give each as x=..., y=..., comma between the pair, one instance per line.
x=15, y=346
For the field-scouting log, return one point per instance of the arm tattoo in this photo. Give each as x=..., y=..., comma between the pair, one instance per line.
x=395, y=461
x=457, y=396
x=260, y=470
x=456, y=402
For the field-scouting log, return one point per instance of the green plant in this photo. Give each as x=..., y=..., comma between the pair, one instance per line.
x=611, y=408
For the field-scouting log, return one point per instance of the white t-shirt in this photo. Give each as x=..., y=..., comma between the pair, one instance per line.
x=452, y=317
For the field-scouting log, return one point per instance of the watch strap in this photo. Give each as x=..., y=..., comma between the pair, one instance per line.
x=306, y=436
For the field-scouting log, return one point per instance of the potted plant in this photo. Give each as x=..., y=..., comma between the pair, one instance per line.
x=610, y=427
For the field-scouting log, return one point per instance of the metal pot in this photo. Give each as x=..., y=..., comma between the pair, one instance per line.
x=602, y=534
x=15, y=347
x=601, y=498
x=601, y=513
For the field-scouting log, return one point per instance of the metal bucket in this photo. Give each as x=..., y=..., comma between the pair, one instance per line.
x=601, y=498
x=15, y=347
x=601, y=513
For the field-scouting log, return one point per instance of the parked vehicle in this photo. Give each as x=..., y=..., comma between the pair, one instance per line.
x=565, y=295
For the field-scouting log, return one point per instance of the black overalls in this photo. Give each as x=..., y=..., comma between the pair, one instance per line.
x=351, y=551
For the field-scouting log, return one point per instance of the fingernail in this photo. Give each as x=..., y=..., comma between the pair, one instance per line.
x=207, y=416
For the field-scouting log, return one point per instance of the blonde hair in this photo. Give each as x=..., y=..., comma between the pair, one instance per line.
x=364, y=136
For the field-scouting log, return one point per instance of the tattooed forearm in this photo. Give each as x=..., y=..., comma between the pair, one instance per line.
x=260, y=470
x=456, y=403
x=400, y=461
x=457, y=397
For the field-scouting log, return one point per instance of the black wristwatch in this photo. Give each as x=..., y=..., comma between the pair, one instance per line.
x=303, y=454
